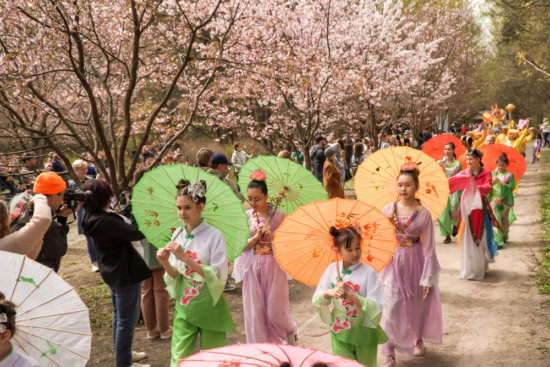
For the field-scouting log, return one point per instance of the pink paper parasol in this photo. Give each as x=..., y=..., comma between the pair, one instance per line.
x=265, y=355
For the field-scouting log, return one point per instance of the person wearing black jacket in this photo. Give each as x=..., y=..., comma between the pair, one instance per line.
x=318, y=157
x=120, y=266
x=54, y=241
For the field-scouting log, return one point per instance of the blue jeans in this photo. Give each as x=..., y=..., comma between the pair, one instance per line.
x=126, y=306
x=91, y=249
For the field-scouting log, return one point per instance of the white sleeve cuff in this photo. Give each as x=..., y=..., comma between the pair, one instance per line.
x=430, y=281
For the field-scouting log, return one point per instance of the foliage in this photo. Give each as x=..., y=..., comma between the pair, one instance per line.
x=544, y=266
x=96, y=73
x=518, y=71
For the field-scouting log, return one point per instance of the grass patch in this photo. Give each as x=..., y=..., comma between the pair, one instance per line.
x=98, y=300
x=544, y=263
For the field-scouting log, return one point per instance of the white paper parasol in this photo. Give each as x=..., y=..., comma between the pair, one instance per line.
x=53, y=325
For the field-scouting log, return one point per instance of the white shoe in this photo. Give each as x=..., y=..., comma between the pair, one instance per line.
x=95, y=268
x=140, y=365
x=136, y=356
x=292, y=339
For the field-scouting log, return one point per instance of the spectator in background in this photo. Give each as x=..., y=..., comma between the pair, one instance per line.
x=91, y=170
x=80, y=167
x=203, y=158
x=545, y=128
x=331, y=176
x=120, y=266
x=358, y=157
x=398, y=142
x=29, y=171
x=463, y=129
x=452, y=129
x=284, y=154
x=48, y=166
x=383, y=141
x=407, y=139
x=147, y=154
x=318, y=158
x=297, y=156
x=490, y=139
x=58, y=167
x=239, y=158
x=427, y=135
x=219, y=166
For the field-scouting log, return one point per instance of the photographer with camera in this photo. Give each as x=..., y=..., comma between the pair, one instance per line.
x=80, y=167
x=54, y=240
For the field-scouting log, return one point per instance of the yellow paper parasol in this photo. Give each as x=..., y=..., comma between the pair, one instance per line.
x=303, y=245
x=376, y=179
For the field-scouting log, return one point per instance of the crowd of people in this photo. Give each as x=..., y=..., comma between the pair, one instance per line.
x=400, y=309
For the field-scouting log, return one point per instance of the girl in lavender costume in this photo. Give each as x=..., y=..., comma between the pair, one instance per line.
x=265, y=285
x=412, y=304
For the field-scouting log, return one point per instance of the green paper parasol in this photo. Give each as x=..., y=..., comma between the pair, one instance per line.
x=154, y=207
x=286, y=180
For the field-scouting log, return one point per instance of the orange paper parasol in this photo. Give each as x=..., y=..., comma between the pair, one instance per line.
x=376, y=179
x=517, y=164
x=303, y=245
x=435, y=147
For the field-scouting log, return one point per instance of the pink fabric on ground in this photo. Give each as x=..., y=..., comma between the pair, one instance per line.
x=407, y=316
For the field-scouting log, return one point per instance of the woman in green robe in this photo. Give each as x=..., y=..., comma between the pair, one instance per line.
x=502, y=200
x=448, y=221
x=196, y=267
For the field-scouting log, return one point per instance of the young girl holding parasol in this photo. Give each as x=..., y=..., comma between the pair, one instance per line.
x=502, y=200
x=10, y=356
x=354, y=289
x=476, y=237
x=196, y=272
x=265, y=285
x=412, y=304
x=448, y=221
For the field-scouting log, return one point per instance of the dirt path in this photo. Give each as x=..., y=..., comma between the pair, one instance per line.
x=500, y=321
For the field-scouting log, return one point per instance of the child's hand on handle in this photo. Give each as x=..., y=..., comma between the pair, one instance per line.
x=176, y=249
x=427, y=291
x=334, y=293
x=266, y=230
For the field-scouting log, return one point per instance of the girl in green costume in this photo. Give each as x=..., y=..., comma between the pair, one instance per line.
x=502, y=200
x=353, y=288
x=196, y=272
x=448, y=221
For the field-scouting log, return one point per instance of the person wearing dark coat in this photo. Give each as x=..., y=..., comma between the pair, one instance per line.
x=120, y=265
x=318, y=157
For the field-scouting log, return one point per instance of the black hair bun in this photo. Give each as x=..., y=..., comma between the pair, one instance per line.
x=505, y=155
x=334, y=232
x=182, y=184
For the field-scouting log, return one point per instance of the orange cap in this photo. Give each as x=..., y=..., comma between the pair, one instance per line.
x=49, y=183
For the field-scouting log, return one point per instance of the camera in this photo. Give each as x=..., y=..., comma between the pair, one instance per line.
x=72, y=197
x=122, y=198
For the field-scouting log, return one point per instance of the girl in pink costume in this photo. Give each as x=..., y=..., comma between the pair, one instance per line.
x=265, y=285
x=412, y=304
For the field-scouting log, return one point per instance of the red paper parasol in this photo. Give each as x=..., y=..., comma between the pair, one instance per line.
x=517, y=164
x=264, y=355
x=435, y=147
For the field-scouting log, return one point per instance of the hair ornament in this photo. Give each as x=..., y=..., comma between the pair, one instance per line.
x=3, y=319
x=258, y=175
x=196, y=190
x=411, y=166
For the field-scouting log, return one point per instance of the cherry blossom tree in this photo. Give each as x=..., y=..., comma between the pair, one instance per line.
x=94, y=74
